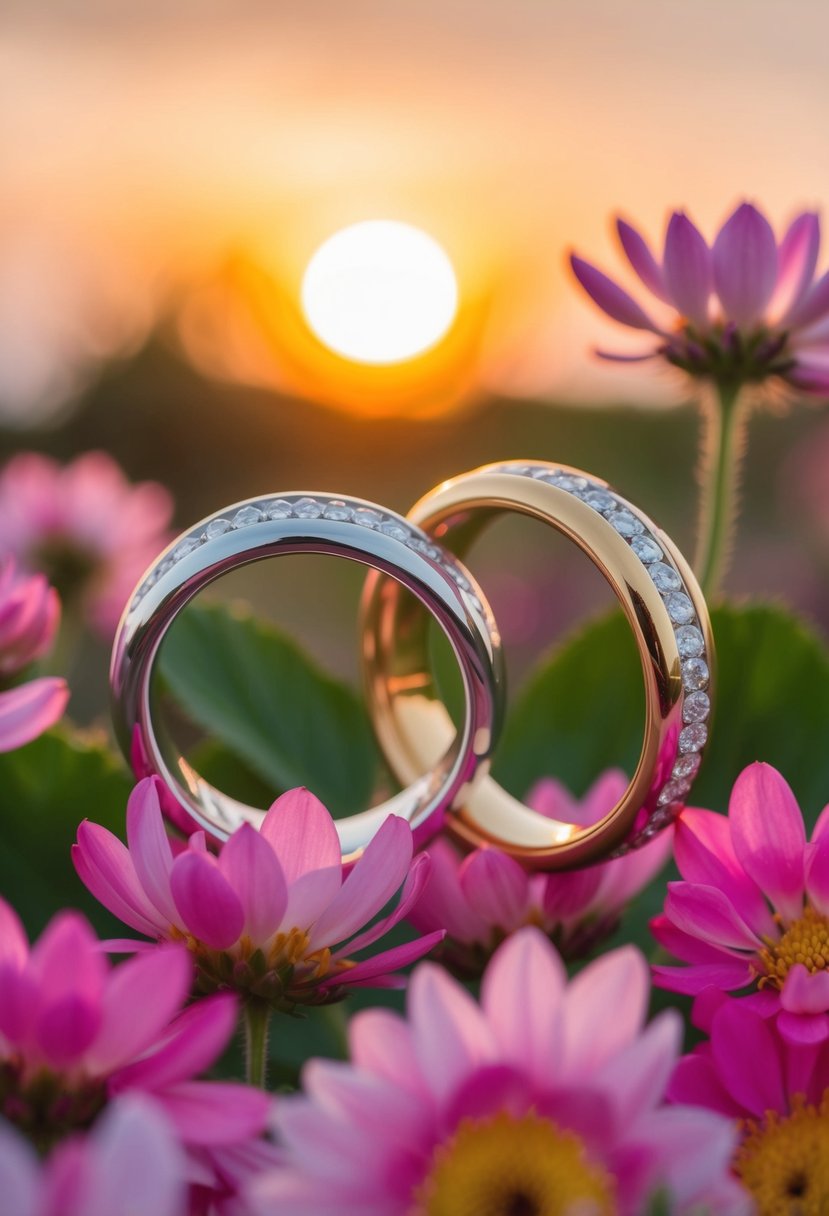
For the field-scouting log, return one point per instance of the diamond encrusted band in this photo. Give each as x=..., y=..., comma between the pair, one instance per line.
x=271, y=526
x=670, y=621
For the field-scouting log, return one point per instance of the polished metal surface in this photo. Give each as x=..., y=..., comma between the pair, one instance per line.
x=346, y=527
x=455, y=513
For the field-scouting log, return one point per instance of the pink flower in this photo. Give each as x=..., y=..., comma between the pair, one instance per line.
x=753, y=906
x=745, y=310
x=273, y=916
x=29, y=615
x=85, y=526
x=481, y=898
x=75, y=1032
x=547, y=1097
x=778, y=1094
x=130, y=1164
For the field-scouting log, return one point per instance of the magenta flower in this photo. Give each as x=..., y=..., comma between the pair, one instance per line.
x=75, y=1032
x=481, y=898
x=273, y=916
x=744, y=310
x=753, y=906
x=130, y=1164
x=778, y=1094
x=535, y=1101
x=29, y=615
x=90, y=531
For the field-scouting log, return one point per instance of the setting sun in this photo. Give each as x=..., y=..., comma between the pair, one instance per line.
x=380, y=292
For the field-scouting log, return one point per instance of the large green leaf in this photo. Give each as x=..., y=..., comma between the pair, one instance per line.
x=254, y=690
x=46, y=789
x=583, y=709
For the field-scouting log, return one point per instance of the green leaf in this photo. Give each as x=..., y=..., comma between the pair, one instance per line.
x=254, y=690
x=583, y=710
x=46, y=789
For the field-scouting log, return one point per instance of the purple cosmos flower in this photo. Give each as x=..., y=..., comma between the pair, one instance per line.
x=29, y=616
x=76, y=1032
x=753, y=907
x=481, y=898
x=129, y=1164
x=777, y=1092
x=744, y=310
x=273, y=916
x=85, y=526
x=546, y=1097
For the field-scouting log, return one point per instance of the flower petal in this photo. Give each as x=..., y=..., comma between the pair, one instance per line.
x=496, y=887
x=415, y=883
x=136, y=1154
x=302, y=833
x=450, y=1034
x=769, y=837
x=150, y=848
x=30, y=709
x=442, y=905
x=641, y=259
x=817, y=872
x=250, y=865
x=687, y=269
x=141, y=998
x=206, y=902
x=192, y=1045
x=381, y=1043
x=70, y=971
x=797, y=258
x=14, y=945
x=370, y=885
x=805, y=992
x=521, y=996
x=708, y=913
x=371, y=970
x=636, y=1079
x=19, y=1174
x=739, y=1039
x=610, y=297
x=745, y=265
x=698, y=977
x=813, y=306
x=618, y=981
x=215, y=1112
x=105, y=867
x=704, y=854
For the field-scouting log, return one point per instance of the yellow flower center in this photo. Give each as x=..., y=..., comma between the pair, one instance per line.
x=508, y=1166
x=805, y=941
x=784, y=1161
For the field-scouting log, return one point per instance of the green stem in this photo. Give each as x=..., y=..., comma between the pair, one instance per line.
x=257, y=1017
x=723, y=446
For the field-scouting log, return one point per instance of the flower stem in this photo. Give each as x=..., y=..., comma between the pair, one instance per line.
x=257, y=1018
x=723, y=446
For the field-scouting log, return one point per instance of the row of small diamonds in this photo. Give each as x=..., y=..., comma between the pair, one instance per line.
x=304, y=507
x=690, y=641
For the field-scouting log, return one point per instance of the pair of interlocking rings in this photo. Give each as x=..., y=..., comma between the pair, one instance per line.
x=444, y=770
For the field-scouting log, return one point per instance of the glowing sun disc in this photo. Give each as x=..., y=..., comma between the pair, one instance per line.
x=379, y=292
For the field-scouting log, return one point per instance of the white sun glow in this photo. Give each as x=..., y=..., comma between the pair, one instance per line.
x=379, y=292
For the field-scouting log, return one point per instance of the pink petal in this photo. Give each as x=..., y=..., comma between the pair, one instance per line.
x=708, y=913
x=520, y=995
x=371, y=884
x=368, y=1102
x=14, y=946
x=696, y=978
x=797, y=255
x=810, y=374
x=689, y=1153
x=381, y=1043
x=769, y=837
x=105, y=867
x=610, y=297
x=813, y=306
x=704, y=854
x=413, y=888
x=135, y=1154
x=386, y=961
x=624, y=877
x=193, y=1043
x=19, y=1174
x=71, y=972
x=215, y=1112
x=745, y=265
x=302, y=834
x=66, y=1027
x=451, y=1037
x=804, y=992
x=821, y=827
x=636, y=1078
x=688, y=947
x=817, y=872
x=141, y=998
x=443, y=904
x=695, y=1082
x=739, y=1040
x=209, y=907
x=496, y=887
x=642, y=260
x=30, y=709
x=250, y=866
x=18, y=997
x=150, y=848
x=687, y=269
x=618, y=981
x=803, y=1029
x=571, y=895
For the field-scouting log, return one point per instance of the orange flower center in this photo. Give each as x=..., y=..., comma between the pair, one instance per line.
x=806, y=941
x=783, y=1160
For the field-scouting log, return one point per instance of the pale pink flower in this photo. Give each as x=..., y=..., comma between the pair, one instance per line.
x=85, y=526
x=129, y=1164
x=75, y=1032
x=777, y=1092
x=545, y=1097
x=481, y=898
x=273, y=916
x=753, y=907
x=29, y=616
x=745, y=310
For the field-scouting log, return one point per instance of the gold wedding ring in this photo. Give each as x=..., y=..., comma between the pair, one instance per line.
x=663, y=605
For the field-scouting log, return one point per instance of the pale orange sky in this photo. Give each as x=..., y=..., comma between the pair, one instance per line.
x=140, y=145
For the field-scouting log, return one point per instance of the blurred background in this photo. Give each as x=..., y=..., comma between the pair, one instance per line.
x=170, y=169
